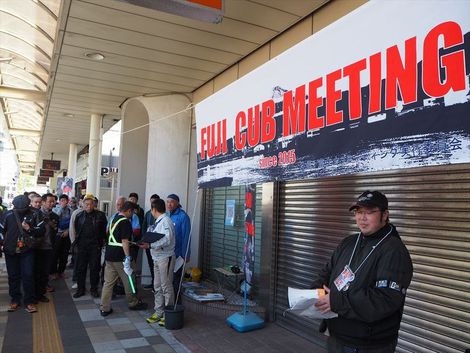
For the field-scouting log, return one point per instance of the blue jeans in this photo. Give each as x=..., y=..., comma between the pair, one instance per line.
x=20, y=269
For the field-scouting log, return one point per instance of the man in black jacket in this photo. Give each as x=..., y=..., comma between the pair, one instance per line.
x=20, y=227
x=90, y=227
x=43, y=250
x=366, y=281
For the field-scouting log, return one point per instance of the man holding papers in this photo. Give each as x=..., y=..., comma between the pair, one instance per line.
x=365, y=282
x=160, y=238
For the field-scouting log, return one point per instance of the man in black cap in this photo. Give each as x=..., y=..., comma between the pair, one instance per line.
x=118, y=261
x=182, y=225
x=366, y=281
x=20, y=226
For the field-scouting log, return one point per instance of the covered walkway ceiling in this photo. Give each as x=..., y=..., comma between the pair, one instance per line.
x=61, y=61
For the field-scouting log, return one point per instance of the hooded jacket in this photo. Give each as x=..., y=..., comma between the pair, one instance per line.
x=11, y=231
x=370, y=310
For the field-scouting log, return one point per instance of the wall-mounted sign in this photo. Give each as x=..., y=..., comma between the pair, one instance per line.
x=106, y=170
x=385, y=87
x=229, y=212
x=46, y=173
x=42, y=180
x=50, y=164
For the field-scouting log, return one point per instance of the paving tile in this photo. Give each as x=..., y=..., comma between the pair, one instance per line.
x=134, y=342
x=146, y=349
x=94, y=323
x=155, y=340
x=128, y=334
x=122, y=327
x=107, y=346
x=147, y=332
x=90, y=314
x=141, y=325
x=100, y=337
x=163, y=348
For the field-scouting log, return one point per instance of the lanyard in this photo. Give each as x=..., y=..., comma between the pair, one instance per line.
x=373, y=248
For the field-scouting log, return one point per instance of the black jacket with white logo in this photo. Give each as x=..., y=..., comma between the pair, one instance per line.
x=370, y=310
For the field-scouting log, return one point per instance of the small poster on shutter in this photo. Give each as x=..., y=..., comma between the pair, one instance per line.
x=229, y=212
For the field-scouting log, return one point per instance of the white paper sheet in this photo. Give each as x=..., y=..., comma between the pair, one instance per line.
x=302, y=302
x=178, y=263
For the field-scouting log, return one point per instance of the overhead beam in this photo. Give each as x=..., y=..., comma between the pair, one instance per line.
x=24, y=94
x=24, y=132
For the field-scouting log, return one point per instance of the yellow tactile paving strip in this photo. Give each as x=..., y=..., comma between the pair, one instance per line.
x=46, y=333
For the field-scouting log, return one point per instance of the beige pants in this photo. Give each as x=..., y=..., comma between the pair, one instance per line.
x=163, y=284
x=112, y=272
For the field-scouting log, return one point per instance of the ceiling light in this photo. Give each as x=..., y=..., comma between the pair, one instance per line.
x=68, y=115
x=7, y=60
x=95, y=56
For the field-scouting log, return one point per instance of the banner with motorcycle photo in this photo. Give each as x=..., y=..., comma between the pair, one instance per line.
x=385, y=87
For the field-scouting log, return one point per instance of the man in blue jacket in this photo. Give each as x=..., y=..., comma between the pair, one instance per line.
x=182, y=225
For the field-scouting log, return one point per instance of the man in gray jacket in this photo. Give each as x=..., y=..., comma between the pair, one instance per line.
x=160, y=238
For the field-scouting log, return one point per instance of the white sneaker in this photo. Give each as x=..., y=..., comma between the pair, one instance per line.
x=74, y=286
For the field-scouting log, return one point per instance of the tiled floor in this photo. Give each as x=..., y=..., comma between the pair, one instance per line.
x=84, y=330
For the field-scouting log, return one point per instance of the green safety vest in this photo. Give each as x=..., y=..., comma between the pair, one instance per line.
x=112, y=240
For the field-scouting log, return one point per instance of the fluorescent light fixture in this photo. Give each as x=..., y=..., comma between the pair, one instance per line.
x=95, y=56
x=211, y=11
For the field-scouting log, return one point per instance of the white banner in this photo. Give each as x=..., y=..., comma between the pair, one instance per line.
x=385, y=87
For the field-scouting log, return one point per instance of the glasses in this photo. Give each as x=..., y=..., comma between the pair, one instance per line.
x=362, y=213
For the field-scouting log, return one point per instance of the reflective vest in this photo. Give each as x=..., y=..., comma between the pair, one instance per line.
x=111, y=239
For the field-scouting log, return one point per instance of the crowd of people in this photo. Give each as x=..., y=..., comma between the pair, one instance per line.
x=41, y=233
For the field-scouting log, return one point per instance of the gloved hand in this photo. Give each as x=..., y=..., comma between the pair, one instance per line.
x=127, y=265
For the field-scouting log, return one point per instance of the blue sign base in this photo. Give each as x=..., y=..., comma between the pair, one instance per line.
x=244, y=322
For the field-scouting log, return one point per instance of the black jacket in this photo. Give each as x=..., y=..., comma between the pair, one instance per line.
x=99, y=228
x=370, y=310
x=11, y=232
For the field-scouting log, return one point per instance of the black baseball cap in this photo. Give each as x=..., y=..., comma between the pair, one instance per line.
x=371, y=199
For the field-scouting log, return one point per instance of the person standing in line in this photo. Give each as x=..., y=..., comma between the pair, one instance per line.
x=118, y=261
x=73, y=247
x=182, y=225
x=36, y=201
x=148, y=221
x=62, y=243
x=43, y=250
x=366, y=281
x=20, y=225
x=163, y=254
x=90, y=226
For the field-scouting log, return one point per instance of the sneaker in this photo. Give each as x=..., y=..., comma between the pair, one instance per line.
x=148, y=287
x=139, y=306
x=43, y=299
x=106, y=313
x=75, y=285
x=153, y=319
x=31, y=308
x=161, y=322
x=13, y=307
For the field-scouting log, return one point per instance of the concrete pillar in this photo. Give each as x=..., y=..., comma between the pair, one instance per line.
x=94, y=154
x=72, y=165
x=98, y=179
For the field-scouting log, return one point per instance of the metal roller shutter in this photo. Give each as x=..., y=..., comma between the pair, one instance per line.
x=430, y=207
x=223, y=245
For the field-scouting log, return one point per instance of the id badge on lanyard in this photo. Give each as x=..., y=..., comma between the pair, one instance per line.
x=344, y=279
